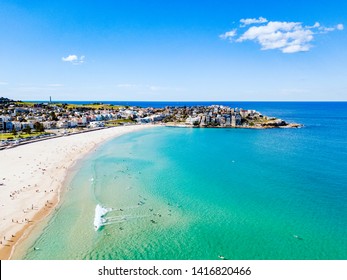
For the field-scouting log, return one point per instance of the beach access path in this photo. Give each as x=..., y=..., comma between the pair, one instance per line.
x=32, y=177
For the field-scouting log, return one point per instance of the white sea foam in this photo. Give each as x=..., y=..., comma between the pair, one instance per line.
x=99, y=219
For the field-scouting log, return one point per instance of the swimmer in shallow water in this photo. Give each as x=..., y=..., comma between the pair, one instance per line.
x=297, y=237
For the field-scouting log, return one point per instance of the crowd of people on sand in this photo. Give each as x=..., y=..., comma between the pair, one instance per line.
x=14, y=195
x=48, y=167
x=4, y=241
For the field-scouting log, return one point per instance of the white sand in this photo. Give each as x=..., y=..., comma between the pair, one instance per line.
x=32, y=176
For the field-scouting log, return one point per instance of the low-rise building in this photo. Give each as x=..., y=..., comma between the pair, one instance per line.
x=16, y=125
x=63, y=124
x=2, y=123
x=244, y=113
x=238, y=119
x=97, y=124
x=27, y=124
x=192, y=121
x=48, y=125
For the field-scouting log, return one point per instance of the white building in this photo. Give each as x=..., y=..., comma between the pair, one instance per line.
x=244, y=113
x=62, y=124
x=236, y=120
x=158, y=117
x=192, y=121
x=72, y=123
x=97, y=124
x=3, y=121
x=17, y=125
x=47, y=125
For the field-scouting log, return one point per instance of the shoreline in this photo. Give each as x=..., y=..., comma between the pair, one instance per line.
x=183, y=125
x=34, y=176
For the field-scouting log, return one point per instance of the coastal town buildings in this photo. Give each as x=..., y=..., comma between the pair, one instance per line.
x=21, y=116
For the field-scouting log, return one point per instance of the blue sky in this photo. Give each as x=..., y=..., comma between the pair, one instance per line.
x=173, y=50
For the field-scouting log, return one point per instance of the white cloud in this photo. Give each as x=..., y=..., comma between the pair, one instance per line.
x=3, y=83
x=74, y=59
x=70, y=58
x=288, y=37
x=324, y=29
x=316, y=25
x=228, y=35
x=249, y=21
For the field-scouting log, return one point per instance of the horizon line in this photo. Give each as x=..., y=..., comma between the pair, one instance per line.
x=157, y=101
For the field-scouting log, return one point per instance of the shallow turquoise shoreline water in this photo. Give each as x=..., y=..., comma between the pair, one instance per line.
x=201, y=193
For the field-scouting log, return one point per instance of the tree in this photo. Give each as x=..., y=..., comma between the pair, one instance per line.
x=27, y=129
x=53, y=116
x=39, y=127
x=14, y=131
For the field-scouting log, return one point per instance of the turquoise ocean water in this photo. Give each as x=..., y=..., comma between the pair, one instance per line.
x=181, y=193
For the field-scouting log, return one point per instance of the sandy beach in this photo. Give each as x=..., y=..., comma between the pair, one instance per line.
x=32, y=177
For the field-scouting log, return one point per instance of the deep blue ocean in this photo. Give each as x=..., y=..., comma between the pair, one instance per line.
x=189, y=193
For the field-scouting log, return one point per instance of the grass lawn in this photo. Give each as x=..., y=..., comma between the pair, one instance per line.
x=74, y=106
x=6, y=136
x=94, y=106
x=26, y=103
x=117, y=122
